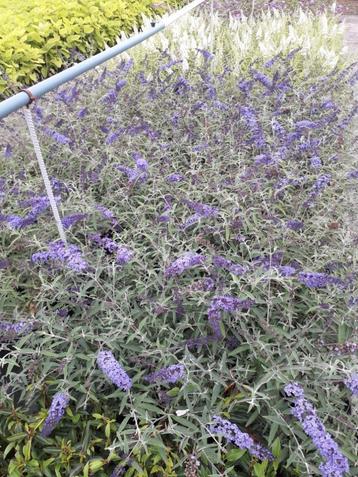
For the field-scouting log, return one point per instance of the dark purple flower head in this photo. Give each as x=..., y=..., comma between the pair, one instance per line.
x=294, y=224
x=316, y=280
x=186, y=261
x=286, y=270
x=120, y=85
x=232, y=433
x=174, y=177
x=70, y=256
x=206, y=54
x=245, y=86
x=69, y=220
x=141, y=163
x=306, y=124
x=170, y=374
x=123, y=255
x=353, y=174
x=191, y=220
x=57, y=410
x=315, y=162
x=14, y=329
x=60, y=138
x=336, y=464
x=235, y=269
x=7, y=151
x=16, y=222
x=113, y=370
x=82, y=113
x=257, y=134
x=225, y=303
x=352, y=383
x=202, y=210
x=262, y=78
x=269, y=261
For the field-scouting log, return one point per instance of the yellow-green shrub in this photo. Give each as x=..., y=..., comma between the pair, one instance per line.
x=38, y=36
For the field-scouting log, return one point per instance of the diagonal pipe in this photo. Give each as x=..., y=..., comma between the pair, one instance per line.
x=21, y=99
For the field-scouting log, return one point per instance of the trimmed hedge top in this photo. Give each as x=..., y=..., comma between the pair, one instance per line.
x=38, y=38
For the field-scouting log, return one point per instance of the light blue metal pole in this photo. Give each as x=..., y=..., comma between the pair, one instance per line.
x=22, y=99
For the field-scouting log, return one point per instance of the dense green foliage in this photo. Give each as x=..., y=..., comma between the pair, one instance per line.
x=38, y=38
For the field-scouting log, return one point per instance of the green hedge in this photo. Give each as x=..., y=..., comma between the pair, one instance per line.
x=39, y=37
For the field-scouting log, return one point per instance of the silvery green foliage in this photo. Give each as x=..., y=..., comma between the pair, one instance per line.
x=240, y=271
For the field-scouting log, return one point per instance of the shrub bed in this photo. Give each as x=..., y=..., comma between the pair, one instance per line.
x=209, y=267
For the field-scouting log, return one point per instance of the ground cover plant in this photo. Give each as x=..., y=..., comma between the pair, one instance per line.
x=208, y=268
x=38, y=39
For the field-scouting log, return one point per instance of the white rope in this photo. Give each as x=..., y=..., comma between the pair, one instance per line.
x=51, y=198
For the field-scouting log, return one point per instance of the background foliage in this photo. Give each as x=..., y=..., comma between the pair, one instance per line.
x=38, y=39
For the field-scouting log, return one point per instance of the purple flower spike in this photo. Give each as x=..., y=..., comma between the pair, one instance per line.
x=352, y=384
x=171, y=374
x=56, y=412
x=186, y=261
x=7, y=151
x=113, y=370
x=294, y=224
x=70, y=220
x=226, y=303
x=235, y=269
x=336, y=464
x=70, y=256
x=123, y=255
x=14, y=329
x=232, y=433
x=317, y=280
x=174, y=177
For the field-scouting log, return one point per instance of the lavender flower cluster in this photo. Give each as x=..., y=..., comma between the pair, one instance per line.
x=57, y=410
x=232, y=433
x=352, y=383
x=186, y=261
x=170, y=374
x=10, y=329
x=228, y=304
x=68, y=256
x=123, y=254
x=38, y=205
x=113, y=370
x=200, y=211
x=336, y=464
x=137, y=174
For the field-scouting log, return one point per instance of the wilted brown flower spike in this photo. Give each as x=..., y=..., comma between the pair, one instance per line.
x=192, y=466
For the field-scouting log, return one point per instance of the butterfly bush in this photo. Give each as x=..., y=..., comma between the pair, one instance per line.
x=8, y=328
x=221, y=304
x=186, y=261
x=232, y=433
x=171, y=374
x=59, y=253
x=56, y=412
x=352, y=384
x=336, y=464
x=113, y=370
x=208, y=170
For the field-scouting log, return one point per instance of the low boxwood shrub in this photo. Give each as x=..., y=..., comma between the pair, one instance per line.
x=38, y=39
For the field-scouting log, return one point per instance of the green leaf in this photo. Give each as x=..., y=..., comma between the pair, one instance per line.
x=235, y=454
